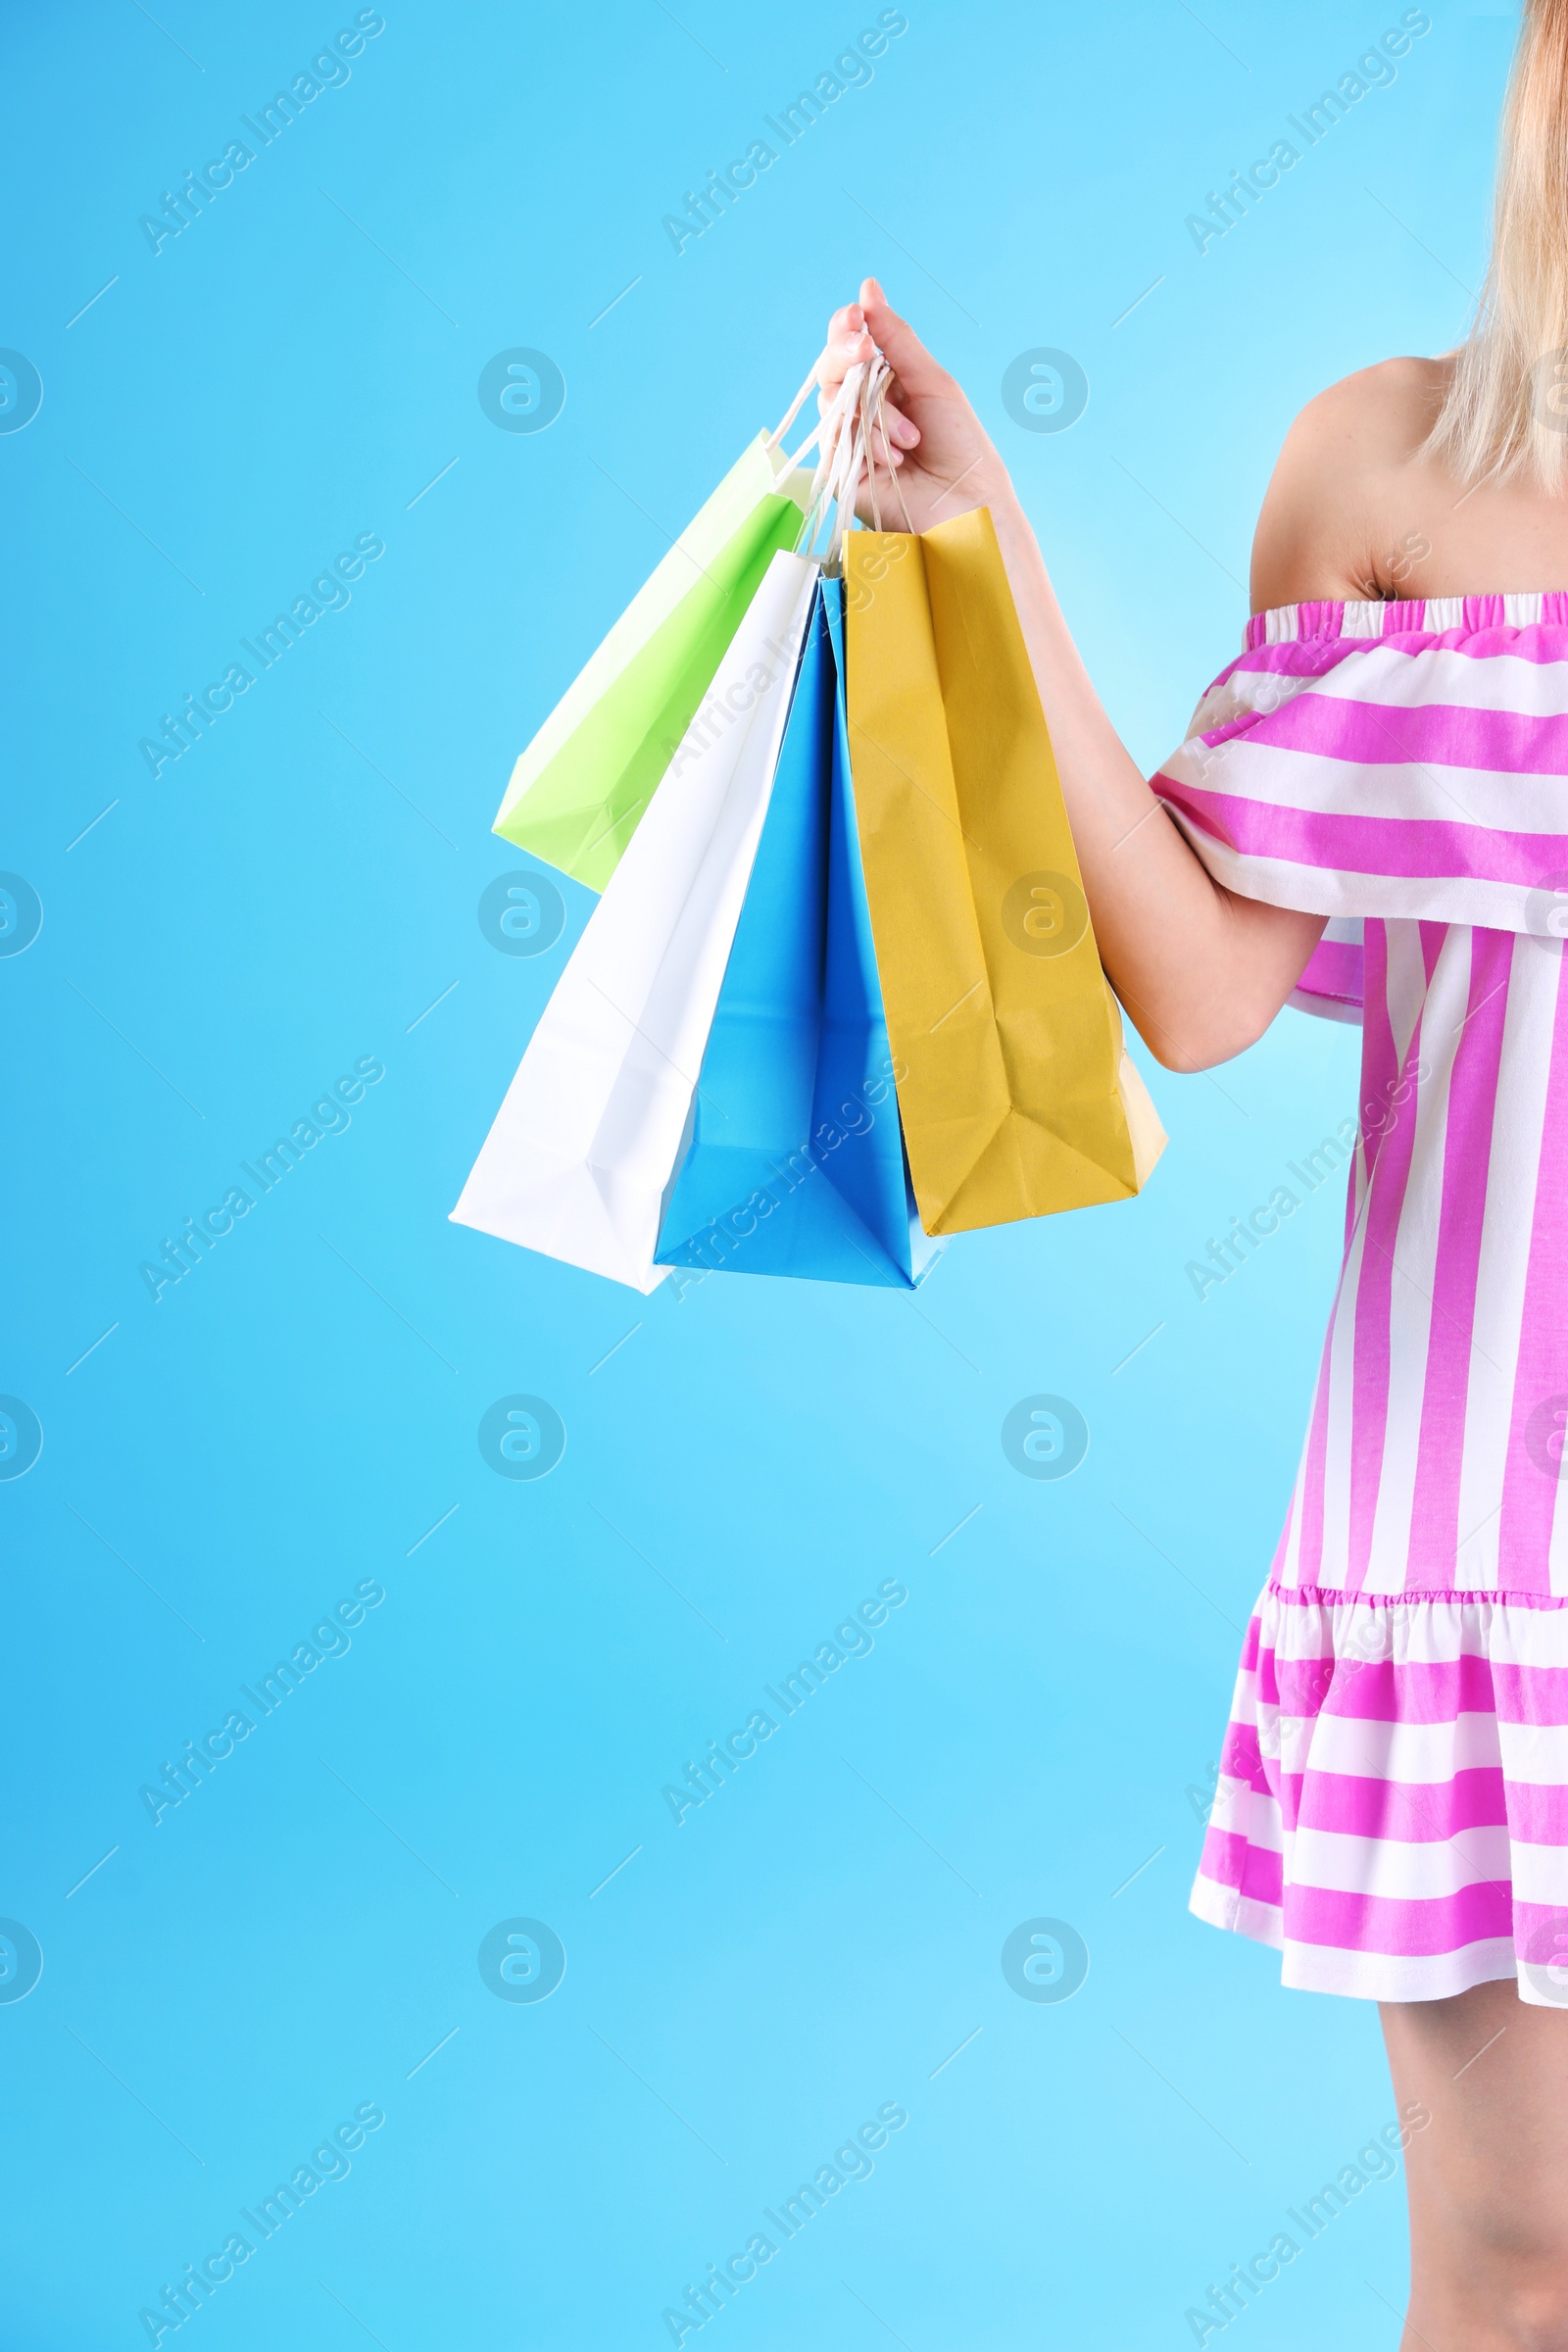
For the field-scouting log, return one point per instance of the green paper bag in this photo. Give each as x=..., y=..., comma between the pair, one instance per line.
x=578, y=792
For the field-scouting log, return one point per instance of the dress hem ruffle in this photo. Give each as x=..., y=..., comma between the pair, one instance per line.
x=1390, y=1810
x=1364, y=1976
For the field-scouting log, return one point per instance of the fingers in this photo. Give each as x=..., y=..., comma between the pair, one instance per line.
x=916, y=371
x=877, y=500
x=847, y=342
x=858, y=330
x=889, y=440
x=892, y=437
x=846, y=335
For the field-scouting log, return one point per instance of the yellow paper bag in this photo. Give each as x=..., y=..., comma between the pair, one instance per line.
x=1016, y=1089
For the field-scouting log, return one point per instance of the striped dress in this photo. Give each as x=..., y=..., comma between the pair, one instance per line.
x=1392, y=1804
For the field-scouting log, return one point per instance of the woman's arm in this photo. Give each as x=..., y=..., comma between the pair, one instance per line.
x=1200, y=972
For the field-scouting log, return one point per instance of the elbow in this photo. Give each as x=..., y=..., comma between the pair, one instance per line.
x=1201, y=1039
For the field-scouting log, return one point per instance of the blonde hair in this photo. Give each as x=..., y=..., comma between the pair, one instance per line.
x=1505, y=412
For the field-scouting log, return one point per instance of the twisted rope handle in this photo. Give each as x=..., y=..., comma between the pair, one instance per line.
x=845, y=439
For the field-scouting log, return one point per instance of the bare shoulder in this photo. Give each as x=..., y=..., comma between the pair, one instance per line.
x=1333, y=520
x=1381, y=415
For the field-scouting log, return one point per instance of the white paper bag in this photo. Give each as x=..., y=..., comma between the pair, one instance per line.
x=583, y=1148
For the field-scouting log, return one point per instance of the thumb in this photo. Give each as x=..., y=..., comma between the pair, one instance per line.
x=916, y=371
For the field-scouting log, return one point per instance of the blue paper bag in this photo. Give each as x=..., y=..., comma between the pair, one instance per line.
x=795, y=1162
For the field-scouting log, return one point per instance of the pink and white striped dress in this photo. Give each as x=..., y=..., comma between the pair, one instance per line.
x=1392, y=1807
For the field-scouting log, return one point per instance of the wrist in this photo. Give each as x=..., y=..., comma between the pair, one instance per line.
x=1014, y=532
x=991, y=485
x=985, y=482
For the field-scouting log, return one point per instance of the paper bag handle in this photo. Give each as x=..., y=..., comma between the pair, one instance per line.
x=843, y=437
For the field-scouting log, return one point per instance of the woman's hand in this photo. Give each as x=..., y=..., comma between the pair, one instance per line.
x=1202, y=973
x=944, y=460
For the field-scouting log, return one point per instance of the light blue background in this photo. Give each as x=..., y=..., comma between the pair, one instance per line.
x=755, y=1456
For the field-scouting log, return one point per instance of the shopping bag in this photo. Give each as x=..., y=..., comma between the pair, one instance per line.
x=795, y=1163
x=1017, y=1093
x=579, y=790
x=581, y=1154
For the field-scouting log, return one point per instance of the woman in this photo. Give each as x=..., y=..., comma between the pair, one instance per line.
x=1391, y=750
